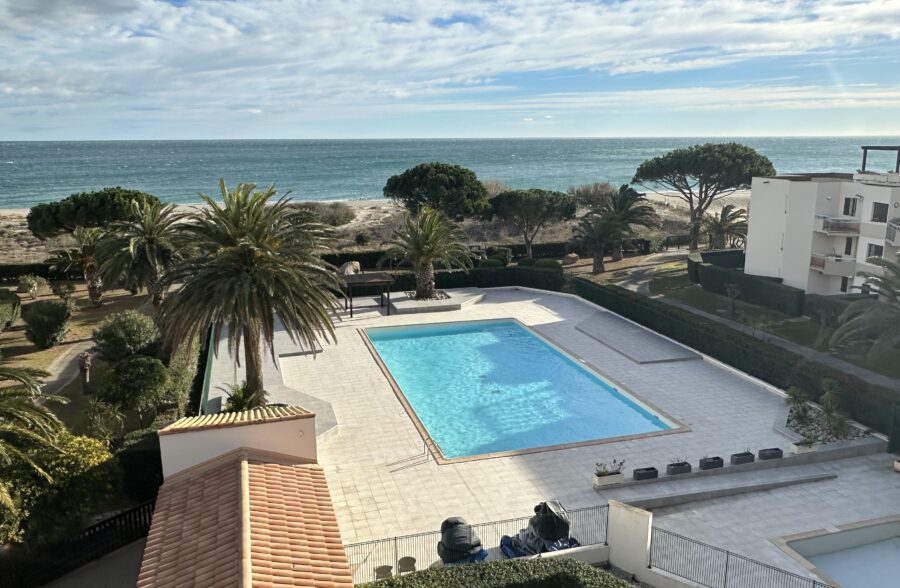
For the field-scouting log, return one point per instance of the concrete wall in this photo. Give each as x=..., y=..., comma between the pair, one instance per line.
x=296, y=438
x=798, y=237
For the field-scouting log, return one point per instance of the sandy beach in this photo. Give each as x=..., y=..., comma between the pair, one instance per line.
x=374, y=218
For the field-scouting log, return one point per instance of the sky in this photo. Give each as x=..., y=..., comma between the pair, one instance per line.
x=279, y=69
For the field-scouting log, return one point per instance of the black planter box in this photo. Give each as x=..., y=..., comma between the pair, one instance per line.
x=771, y=453
x=673, y=469
x=711, y=463
x=645, y=473
x=742, y=457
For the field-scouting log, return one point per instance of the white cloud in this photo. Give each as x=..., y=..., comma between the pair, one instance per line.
x=321, y=60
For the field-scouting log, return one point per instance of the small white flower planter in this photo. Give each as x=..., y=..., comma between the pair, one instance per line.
x=610, y=480
x=798, y=448
x=897, y=465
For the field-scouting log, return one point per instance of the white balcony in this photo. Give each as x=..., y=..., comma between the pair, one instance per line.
x=836, y=225
x=878, y=178
x=833, y=265
x=893, y=233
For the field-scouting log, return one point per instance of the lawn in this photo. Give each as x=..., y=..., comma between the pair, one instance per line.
x=670, y=280
x=18, y=351
x=615, y=270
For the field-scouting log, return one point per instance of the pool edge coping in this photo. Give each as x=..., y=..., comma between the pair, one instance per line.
x=435, y=449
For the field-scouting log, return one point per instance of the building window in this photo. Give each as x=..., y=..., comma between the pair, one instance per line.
x=845, y=284
x=874, y=250
x=848, y=246
x=850, y=206
x=879, y=212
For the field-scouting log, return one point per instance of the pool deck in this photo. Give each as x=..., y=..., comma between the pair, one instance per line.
x=385, y=483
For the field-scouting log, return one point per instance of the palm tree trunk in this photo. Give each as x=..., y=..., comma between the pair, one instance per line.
x=425, y=281
x=598, y=267
x=253, y=360
x=94, y=288
x=154, y=288
x=618, y=253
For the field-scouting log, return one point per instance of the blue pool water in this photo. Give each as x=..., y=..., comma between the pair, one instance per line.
x=488, y=386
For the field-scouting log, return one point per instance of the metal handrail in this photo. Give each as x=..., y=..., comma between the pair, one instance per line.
x=715, y=567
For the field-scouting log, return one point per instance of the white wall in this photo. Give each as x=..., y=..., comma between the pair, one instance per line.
x=295, y=437
x=766, y=229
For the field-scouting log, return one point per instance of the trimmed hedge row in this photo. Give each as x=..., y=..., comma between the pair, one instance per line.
x=731, y=258
x=530, y=573
x=493, y=277
x=11, y=271
x=754, y=289
x=867, y=403
x=831, y=306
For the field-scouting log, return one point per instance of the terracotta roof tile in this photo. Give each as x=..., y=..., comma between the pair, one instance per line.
x=235, y=419
x=244, y=520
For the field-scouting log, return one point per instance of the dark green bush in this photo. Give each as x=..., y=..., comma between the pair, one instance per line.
x=46, y=322
x=869, y=404
x=362, y=239
x=754, y=289
x=335, y=214
x=548, y=264
x=124, y=334
x=526, y=262
x=489, y=262
x=830, y=307
x=529, y=573
x=502, y=253
x=10, y=308
x=85, y=209
x=138, y=382
x=141, y=464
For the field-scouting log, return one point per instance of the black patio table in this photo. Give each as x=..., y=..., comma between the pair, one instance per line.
x=382, y=280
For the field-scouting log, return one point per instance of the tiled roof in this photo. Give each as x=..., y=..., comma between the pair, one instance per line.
x=235, y=419
x=245, y=520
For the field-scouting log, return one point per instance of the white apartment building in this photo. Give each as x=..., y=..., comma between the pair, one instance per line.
x=816, y=231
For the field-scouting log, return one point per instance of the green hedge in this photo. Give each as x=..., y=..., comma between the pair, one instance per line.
x=141, y=464
x=529, y=573
x=831, y=306
x=10, y=308
x=754, y=289
x=541, y=278
x=11, y=271
x=867, y=403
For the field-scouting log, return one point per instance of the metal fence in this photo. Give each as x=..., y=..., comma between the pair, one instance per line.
x=716, y=567
x=375, y=560
x=29, y=569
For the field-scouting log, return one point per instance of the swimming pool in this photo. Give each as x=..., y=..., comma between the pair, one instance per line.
x=487, y=387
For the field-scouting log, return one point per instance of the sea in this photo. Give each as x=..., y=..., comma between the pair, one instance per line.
x=177, y=171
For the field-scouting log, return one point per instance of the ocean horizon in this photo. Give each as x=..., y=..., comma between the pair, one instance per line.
x=357, y=169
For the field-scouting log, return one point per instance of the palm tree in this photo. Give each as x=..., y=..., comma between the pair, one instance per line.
x=24, y=421
x=251, y=261
x=82, y=259
x=594, y=231
x=240, y=399
x=728, y=228
x=104, y=419
x=871, y=328
x=424, y=239
x=139, y=251
x=633, y=209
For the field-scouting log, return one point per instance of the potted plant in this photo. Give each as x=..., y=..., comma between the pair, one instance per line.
x=645, y=473
x=678, y=466
x=711, y=463
x=806, y=445
x=743, y=457
x=607, y=474
x=770, y=453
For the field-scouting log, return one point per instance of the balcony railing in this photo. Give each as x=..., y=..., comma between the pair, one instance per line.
x=893, y=232
x=833, y=265
x=832, y=224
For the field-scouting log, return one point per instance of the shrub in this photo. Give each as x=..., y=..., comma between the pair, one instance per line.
x=362, y=239
x=63, y=290
x=141, y=464
x=46, y=322
x=138, y=382
x=548, y=264
x=10, y=308
x=335, y=214
x=517, y=573
x=490, y=262
x=124, y=334
x=84, y=476
x=502, y=253
x=182, y=368
x=526, y=262
x=85, y=209
x=32, y=285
